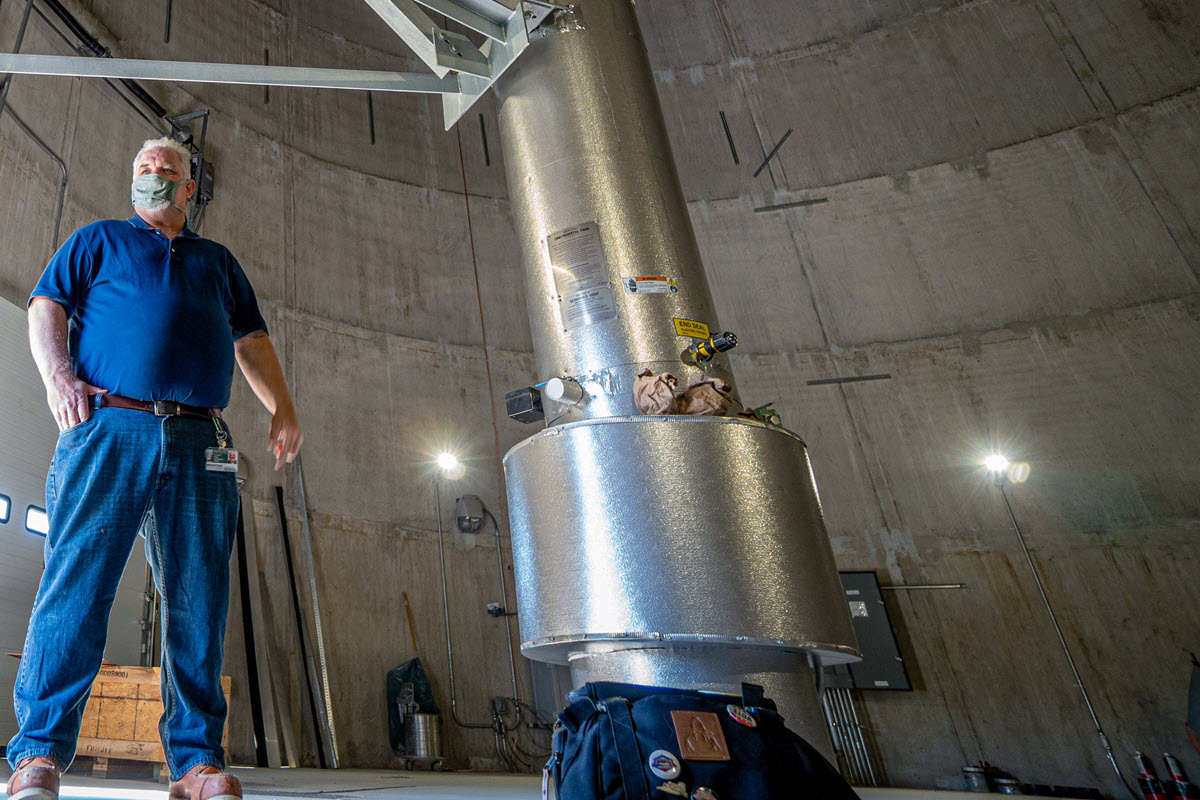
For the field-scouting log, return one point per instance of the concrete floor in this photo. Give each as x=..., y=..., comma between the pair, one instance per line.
x=350, y=784
x=264, y=784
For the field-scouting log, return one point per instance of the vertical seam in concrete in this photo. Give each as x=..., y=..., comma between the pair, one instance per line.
x=289, y=256
x=940, y=643
x=1159, y=199
x=1152, y=187
x=765, y=142
x=802, y=256
x=726, y=28
x=387, y=364
x=70, y=125
x=760, y=126
x=68, y=142
x=1076, y=59
x=487, y=363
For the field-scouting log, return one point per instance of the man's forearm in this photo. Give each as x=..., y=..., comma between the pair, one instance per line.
x=48, y=338
x=68, y=397
x=256, y=356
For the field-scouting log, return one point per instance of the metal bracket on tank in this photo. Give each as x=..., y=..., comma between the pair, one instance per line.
x=520, y=27
x=564, y=21
x=536, y=13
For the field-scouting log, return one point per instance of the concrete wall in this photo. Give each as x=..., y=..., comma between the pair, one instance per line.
x=1009, y=228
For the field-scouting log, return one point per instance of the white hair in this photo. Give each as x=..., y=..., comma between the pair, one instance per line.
x=164, y=143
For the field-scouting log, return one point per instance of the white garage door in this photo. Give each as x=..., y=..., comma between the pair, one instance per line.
x=27, y=438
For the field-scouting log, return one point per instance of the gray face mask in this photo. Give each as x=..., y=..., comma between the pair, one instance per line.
x=153, y=192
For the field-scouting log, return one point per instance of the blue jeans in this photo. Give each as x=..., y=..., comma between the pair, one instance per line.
x=118, y=472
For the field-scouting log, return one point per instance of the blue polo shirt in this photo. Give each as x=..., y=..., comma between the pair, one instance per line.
x=151, y=318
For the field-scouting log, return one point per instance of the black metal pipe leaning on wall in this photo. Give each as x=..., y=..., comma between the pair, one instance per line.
x=91, y=44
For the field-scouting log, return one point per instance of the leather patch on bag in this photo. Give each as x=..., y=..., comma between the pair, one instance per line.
x=700, y=736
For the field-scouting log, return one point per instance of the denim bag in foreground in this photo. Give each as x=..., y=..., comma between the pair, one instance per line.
x=622, y=742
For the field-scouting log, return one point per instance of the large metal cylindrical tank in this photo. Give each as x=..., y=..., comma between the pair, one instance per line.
x=671, y=550
x=597, y=204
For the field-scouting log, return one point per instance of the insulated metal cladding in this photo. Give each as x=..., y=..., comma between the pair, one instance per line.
x=611, y=258
x=645, y=547
x=672, y=531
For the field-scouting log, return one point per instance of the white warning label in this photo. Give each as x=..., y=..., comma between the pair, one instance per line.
x=577, y=258
x=581, y=276
x=650, y=284
x=587, y=306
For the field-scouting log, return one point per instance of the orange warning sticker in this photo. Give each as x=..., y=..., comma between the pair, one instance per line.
x=651, y=284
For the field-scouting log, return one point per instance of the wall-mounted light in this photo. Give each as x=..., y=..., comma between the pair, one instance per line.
x=449, y=466
x=996, y=463
x=1003, y=469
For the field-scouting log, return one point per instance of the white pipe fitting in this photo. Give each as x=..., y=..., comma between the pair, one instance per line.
x=564, y=391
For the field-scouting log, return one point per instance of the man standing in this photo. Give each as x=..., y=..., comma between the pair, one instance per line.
x=135, y=326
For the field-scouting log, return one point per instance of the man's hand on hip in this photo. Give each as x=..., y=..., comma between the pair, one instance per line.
x=285, y=437
x=70, y=399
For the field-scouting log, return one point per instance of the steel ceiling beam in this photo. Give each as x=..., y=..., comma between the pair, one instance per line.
x=462, y=71
x=468, y=18
x=441, y=50
x=251, y=74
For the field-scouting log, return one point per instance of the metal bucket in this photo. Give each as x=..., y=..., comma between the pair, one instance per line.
x=423, y=737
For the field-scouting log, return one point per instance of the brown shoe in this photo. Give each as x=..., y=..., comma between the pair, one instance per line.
x=204, y=782
x=35, y=779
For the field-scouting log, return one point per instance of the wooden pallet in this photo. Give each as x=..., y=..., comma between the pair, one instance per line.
x=100, y=766
x=120, y=721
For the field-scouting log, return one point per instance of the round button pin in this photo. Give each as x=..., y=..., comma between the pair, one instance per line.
x=741, y=716
x=664, y=765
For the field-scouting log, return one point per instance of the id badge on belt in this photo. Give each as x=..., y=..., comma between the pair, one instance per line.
x=221, y=458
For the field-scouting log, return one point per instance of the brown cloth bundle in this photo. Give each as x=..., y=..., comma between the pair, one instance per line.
x=706, y=397
x=655, y=394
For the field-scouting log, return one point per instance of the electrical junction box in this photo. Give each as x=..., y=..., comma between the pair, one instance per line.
x=881, y=667
x=525, y=405
x=202, y=174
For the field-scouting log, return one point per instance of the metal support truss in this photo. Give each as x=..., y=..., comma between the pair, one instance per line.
x=462, y=72
x=254, y=74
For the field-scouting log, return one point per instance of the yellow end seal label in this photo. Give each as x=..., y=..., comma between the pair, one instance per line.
x=689, y=327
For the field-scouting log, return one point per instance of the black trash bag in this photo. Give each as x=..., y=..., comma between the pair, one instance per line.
x=410, y=672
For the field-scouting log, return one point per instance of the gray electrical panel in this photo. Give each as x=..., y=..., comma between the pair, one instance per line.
x=881, y=667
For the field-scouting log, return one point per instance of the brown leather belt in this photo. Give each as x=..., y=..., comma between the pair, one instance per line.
x=159, y=408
